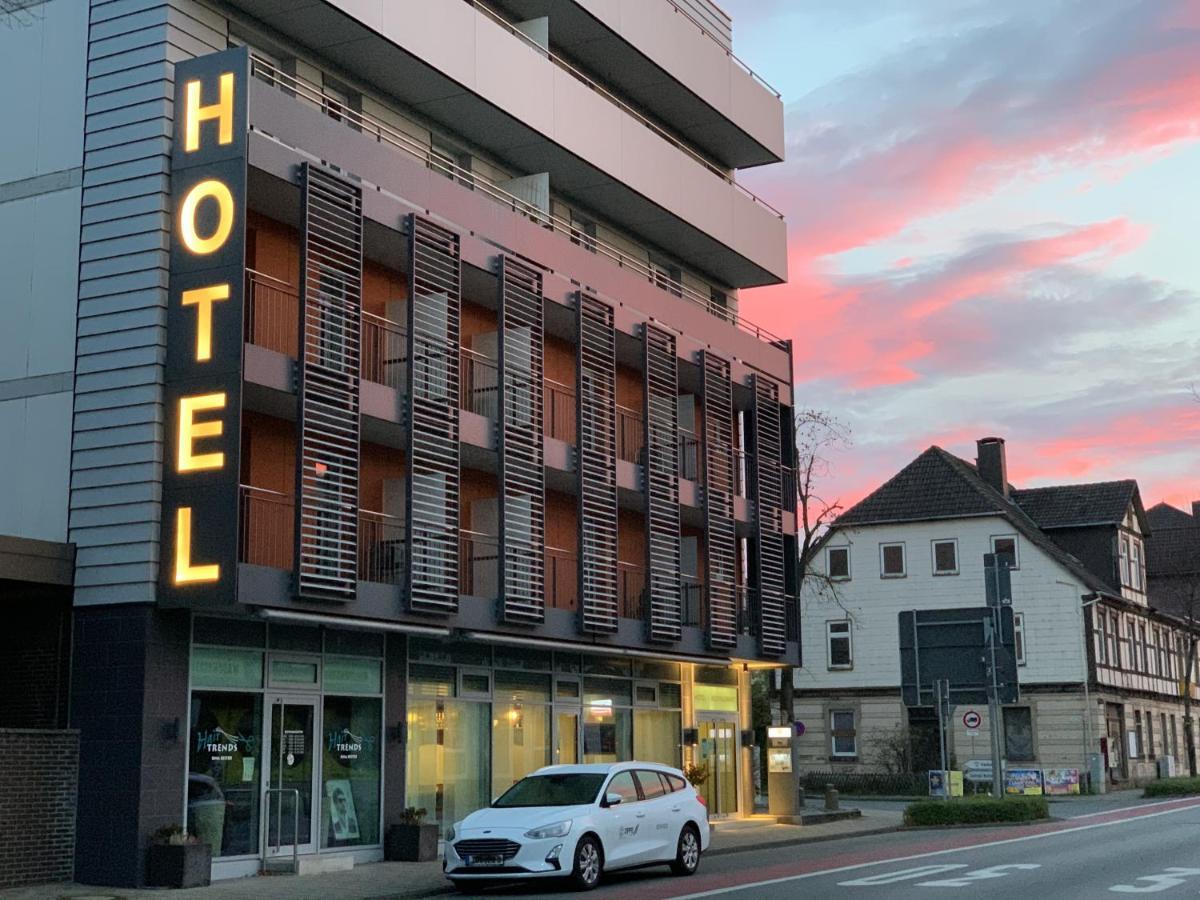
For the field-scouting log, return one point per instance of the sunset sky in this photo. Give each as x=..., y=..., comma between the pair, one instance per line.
x=994, y=228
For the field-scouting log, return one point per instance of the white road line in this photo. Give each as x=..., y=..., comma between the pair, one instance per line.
x=733, y=889
x=1109, y=812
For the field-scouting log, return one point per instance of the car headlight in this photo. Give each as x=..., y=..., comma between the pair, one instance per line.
x=450, y=833
x=558, y=829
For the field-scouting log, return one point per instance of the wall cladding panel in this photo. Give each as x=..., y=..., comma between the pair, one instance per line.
x=766, y=489
x=661, y=419
x=720, y=558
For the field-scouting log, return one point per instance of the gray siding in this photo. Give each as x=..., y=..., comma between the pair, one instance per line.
x=116, y=460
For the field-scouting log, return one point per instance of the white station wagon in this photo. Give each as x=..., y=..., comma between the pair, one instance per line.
x=579, y=821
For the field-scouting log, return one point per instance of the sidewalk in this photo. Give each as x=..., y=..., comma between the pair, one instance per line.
x=403, y=880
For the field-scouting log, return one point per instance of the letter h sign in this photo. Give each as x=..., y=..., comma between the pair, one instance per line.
x=203, y=391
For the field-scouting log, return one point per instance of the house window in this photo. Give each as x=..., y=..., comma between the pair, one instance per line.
x=1018, y=733
x=837, y=563
x=1005, y=547
x=1124, y=560
x=1019, y=637
x=837, y=636
x=1135, y=564
x=1145, y=651
x=891, y=560
x=1150, y=734
x=842, y=736
x=1102, y=637
x=1137, y=730
x=1174, y=738
x=1134, y=662
x=1164, y=668
x=1115, y=634
x=1162, y=720
x=945, y=557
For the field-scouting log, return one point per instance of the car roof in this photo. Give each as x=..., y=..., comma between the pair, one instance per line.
x=605, y=768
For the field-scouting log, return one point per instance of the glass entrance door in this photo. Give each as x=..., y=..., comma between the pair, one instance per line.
x=290, y=772
x=566, y=736
x=718, y=751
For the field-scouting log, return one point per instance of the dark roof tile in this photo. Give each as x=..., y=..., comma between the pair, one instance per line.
x=1075, y=505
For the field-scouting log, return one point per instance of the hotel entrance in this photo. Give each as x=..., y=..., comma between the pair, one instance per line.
x=289, y=776
x=718, y=753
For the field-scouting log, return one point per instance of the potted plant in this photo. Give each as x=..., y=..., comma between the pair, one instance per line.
x=696, y=774
x=178, y=859
x=410, y=840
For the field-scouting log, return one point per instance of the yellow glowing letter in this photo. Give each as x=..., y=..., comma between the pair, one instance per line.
x=203, y=299
x=187, y=217
x=190, y=431
x=185, y=572
x=222, y=111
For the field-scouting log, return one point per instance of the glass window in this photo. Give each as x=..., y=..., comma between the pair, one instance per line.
x=526, y=658
x=350, y=771
x=224, y=755
x=300, y=638
x=523, y=687
x=229, y=632
x=566, y=689
x=656, y=736
x=475, y=684
x=1019, y=637
x=1150, y=735
x=353, y=643
x=449, y=779
x=520, y=741
x=567, y=662
x=676, y=783
x=715, y=697
x=624, y=786
x=352, y=675
x=1018, y=733
x=1005, y=547
x=431, y=681
x=655, y=670
x=891, y=560
x=838, y=562
x=670, y=695
x=1124, y=559
x=645, y=694
x=838, y=637
x=606, y=665
x=610, y=691
x=606, y=734
x=553, y=790
x=289, y=671
x=843, y=736
x=652, y=786
x=463, y=653
x=218, y=667
x=715, y=675
x=945, y=557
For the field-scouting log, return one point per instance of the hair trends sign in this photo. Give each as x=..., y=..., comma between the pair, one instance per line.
x=203, y=400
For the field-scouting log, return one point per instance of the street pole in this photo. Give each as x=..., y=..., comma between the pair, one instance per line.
x=994, y=710
x=943, y=701
x=1087, y=696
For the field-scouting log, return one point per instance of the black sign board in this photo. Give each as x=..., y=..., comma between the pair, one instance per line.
x=953, y=644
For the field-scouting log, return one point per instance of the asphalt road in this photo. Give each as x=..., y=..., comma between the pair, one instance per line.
x=1150, y=848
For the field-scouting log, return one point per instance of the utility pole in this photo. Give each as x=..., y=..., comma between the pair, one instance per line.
x=998, y=582
x=943, y=707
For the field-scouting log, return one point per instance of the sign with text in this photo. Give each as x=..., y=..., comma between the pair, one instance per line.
x=1062, y=781
x=1023, y=781
x=202, y=394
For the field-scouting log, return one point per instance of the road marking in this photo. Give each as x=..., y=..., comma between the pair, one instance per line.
x=1169, y=878
x=980, y=875
x=733, y=889
x=1109, y=812
x=902, y=875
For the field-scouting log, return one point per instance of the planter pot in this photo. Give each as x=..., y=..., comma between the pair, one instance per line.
x=411, y=843
x=179, y=865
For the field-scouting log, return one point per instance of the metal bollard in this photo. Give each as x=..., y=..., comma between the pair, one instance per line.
x=831, y=797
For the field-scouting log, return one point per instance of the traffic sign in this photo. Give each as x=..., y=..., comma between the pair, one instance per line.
x=972, y=720
x=977, y=770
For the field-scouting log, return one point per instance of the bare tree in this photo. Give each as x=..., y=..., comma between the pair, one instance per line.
x=819, y=435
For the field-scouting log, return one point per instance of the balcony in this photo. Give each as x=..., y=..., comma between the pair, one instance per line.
x=384, y=351
x=689, y=455
x=691, y=602
x=380, y=548
x=268, y=521
x=562, y=579
x=478, y=384
x=559, y=416
x=478, y=564
x=272, y=314
x=631, y=589
x=631, y=434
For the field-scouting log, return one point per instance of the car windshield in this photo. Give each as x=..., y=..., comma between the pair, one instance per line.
x=563, y=789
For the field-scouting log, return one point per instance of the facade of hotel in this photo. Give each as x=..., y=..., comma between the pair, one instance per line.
x=1101, y=648
x=380, y=422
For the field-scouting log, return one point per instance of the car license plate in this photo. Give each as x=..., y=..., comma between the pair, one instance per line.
x=491, y=859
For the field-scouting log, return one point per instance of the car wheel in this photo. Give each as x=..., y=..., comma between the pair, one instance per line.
x=589, y=863
x=687, y=853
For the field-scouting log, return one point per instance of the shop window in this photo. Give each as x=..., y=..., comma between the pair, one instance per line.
x=657, y=735
x=606, y=734
x=655, y=671
x=224, y=768
x=296, y=638
x=475, y=684
x=351, y=675
x=350, y=771
x=222, y=667
x=520, y=739
x=1018, y=733
x=842, y=734
x=715, y=697
x=566, y=689
x=448, y=766
x=229, y=632
x=607, y=692
x=645, y=694
x=606, y=665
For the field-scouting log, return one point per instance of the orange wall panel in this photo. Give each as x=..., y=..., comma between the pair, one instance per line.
x=562, y=530
x=476, y=320
x=381, y=285
x=560, y=361
x=630, y=388
x=631, y=537
x=379, y=463
x=273, y=248
x=268, y=453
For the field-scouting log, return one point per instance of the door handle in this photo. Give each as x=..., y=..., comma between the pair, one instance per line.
x=641, y=815
x=676, y=808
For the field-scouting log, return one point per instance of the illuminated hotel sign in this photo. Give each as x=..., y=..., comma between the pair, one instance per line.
x=203, y=401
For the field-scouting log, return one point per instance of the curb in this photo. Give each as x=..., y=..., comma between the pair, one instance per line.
x=816, y=839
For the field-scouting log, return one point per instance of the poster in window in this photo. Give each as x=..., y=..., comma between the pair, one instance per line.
x=343, y=821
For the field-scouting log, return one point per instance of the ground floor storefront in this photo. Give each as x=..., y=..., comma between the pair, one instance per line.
x=281, y=738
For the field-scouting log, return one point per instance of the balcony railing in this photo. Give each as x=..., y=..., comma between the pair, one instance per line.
x=631, y=586
x=386, y=134
x=631, y=434
x=384, y=351
x=272, y=313
x=560, y=413
x=268, y=521
x=689, y=455
x=562, y=579
x=380, y=547
x=478, y=386
x=478, y=564
x=704, y=30
x=691, y=601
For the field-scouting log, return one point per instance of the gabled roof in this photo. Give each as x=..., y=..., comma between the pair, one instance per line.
x=1078, y=505
x=1174, y=551
x=1164, y=515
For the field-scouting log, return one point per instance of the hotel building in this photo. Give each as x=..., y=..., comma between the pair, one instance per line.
x=385, y=425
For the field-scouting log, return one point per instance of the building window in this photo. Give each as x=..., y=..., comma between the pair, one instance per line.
x=1150, y=734
x=837, y=563
x=1145, y=650
x=1102, y=638
x=837, y=636
x=1135, y=564
x=1162, y=720
x=1115, y=635
x=1123, y=553
x=945, y=557
x=1005, y=547
x=1019, y=637
x=1018, y=733
x=891, y=560
x=1136, y=749
x=843, y=738
x=1174, y=738
x=1134, y=662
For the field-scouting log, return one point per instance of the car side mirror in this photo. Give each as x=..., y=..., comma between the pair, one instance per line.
x=612, y=799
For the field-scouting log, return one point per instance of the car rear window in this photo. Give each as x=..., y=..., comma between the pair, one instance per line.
x=560, y=789
x=676, y=783
x=652, y=785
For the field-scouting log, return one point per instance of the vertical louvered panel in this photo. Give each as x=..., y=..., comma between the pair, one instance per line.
x=434, y=304
x=330, y=324
x=767, y=492
x=662, y=485
x=720, y=551
x=596, y=469
x=522, y=478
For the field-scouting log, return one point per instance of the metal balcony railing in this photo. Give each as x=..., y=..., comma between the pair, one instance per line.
x=689, y=455
x=745, y=603
x=562, y=579
x=631, y=434
x=423, y=153
x=267, y=526
x=272, y=313
x=380, y=547
x=716, y=40
x=631, y=588
x=478, y=564
x=478, y=384
x=384, y=351
x=691, y=601
x=559, y=421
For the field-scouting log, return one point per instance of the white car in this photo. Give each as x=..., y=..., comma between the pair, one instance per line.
x=579, y=821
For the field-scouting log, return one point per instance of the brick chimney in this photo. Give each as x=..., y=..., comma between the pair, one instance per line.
x=1196, y=511
x=990, y=462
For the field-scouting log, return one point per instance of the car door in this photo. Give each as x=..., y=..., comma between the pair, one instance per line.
x=661, y=827
x=622, y=823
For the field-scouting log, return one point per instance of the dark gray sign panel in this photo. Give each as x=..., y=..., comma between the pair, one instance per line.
x=953, y=644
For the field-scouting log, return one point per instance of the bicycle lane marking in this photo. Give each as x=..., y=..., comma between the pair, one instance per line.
x=727, y=882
